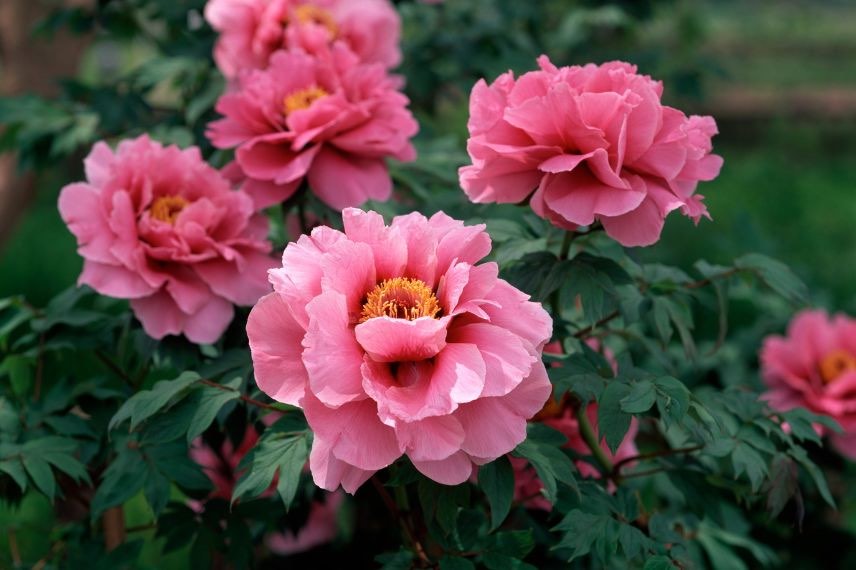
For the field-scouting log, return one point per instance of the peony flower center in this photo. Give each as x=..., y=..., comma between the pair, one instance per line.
x=400, y=298
x=302, y=99
x=309, y=14
x=167, y=208
x=835, y=364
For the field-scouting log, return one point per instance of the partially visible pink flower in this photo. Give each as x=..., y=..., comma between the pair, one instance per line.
x=252, y=30
x=560, y=416
x=331, y=121
x=321, y=527
x=221, y=466
x=814, y=367
x=394, y=342
x=594, y=143
x=160, y=227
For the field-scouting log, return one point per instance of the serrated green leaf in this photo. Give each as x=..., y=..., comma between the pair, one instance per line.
x=744, y=458
x=673, y=400
x=210, y=403
x=147, y=403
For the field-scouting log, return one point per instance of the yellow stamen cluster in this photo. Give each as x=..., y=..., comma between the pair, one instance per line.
x=309, y=14
x=167, y=208
x=400, y=298
x=835, y=364
x=302, y=99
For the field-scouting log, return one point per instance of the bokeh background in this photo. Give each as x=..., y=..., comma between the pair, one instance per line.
x=779, y=76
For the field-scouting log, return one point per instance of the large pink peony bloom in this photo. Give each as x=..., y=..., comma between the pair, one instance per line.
x=221, y=466
x=330, y=120
x=252, y=30
x=394, y=342
x=814, y=367
x=158, y=226
x=594, y=143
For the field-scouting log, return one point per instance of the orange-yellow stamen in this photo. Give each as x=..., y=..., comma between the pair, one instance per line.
x=400, y=298
x=302, y=99
x=835, y=364
x=167, y=208
x=309, y=14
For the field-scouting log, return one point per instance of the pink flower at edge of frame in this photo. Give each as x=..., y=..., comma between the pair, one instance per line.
x=450, y=389
x=814, y=366
x=252, y=30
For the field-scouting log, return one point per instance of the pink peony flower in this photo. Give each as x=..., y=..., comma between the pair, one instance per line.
x=252, y=30
x=158, y=226
x=331, y=121
x=814, y=367
x=594, y=143
x=221, y=466
x=560, y=416
x=393, y=341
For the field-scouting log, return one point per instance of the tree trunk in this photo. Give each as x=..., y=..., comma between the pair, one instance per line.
x=29, y=66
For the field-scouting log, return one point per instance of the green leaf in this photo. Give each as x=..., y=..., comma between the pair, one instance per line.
x=15, y=469
x=814, y=472
x=496, y=479
x=581, y=530
x=542, y=451
x=290, y=467
x=745, y=458
x=612, y=421
x=640, y=399
x=783, y=483
x=401, y=560
x=211, y=402
x=40, y=472
x=123, y=479
x=776, y=275
x=594, y=280
x=275, y=452
x=673, y=400
x=659, y=562
x=147, y=403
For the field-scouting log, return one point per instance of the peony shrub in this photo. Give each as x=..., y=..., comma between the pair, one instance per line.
x=473, y=370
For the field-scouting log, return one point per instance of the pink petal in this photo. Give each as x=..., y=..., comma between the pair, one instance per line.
x=453, y=470
x=387, y=339
x=275, y=343
x=332, y=356
x=430, y=439
x=341, y=180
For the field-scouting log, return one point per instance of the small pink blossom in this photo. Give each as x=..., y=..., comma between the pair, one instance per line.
x=221, y=466
x=160, y=227
x=328, y=120
x=814, y=367
x=594, y=143
x=252, y=30
x=394, y=342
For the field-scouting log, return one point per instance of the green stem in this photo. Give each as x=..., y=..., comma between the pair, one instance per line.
x=566, y=245
x=587, y=431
